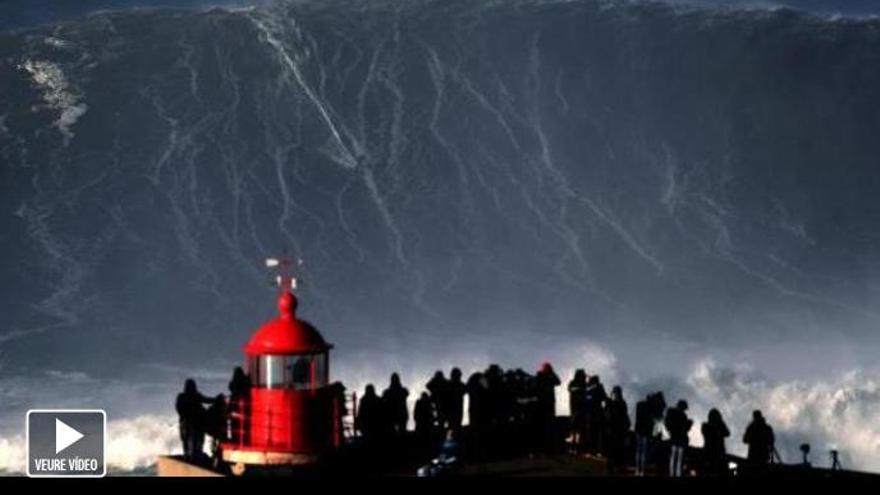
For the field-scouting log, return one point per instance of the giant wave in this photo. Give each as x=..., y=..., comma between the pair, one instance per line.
x=497, y=174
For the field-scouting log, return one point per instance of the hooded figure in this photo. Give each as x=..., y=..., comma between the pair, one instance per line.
x=192, y=419
x=239, y=385
x=437, y=387
x=369, y=415
x=545, y=384
x=577, y=398
x=455, y=390
x=593, y=408
x=678, y=425
x=648, y=412
x=394, y=403
x=477, y=408
x=616, y=429
x=760, y=439
x=714, y=452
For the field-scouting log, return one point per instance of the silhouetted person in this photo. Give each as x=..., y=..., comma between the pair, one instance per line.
x=678, y=425
x=476, y=387
x=659, y=403
x=239, y=404
x=513, y=399
x=545, y=384
x=496, y=411
x=455, y=390
x=593, y=407
x=478, y=414
x=437, y=387
x=192, y=419
x=648, y=412
x=760, y=439
x=369, y=416
x=240, y=384
x=394, y=402
x=714, y=452
x=577, y=398
x=495, y=394
x=617, y=428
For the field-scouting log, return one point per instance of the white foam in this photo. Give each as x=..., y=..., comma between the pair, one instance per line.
x=56, y=42
x=12, y=454
x=135, y=443
x=57, y=94
x=839, y=412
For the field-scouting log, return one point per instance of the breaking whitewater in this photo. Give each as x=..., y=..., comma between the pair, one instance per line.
x=677, y=198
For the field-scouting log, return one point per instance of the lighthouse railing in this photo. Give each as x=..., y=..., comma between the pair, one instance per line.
x=275, y=424
x=238, y=421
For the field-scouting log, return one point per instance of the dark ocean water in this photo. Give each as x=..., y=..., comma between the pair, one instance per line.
x=445, y=169
x=24, y=13
x=18, y=14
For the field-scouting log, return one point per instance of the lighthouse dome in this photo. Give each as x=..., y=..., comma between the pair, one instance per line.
x=286, y=334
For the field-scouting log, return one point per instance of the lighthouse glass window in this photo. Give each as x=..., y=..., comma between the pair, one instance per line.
x=299, y=372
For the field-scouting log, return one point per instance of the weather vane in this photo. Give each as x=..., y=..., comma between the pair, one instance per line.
x=284, y=280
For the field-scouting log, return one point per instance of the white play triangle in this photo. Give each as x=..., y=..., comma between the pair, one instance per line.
x=65, y=436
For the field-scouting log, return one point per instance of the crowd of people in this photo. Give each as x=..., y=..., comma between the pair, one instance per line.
x=513, y=412
x=506, y=410
x=509, y=412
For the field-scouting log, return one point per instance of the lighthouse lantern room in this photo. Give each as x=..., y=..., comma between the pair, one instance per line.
x=288, y=418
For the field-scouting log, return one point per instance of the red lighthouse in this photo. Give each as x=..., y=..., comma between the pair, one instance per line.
x=289, y=417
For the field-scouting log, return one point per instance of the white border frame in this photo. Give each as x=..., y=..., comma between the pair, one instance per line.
x=27, y=441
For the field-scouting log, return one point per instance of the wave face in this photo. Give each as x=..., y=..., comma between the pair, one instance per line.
x=507, y=176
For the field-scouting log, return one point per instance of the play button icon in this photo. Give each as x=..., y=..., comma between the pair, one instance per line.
x=65, y=436
x=66, y=442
